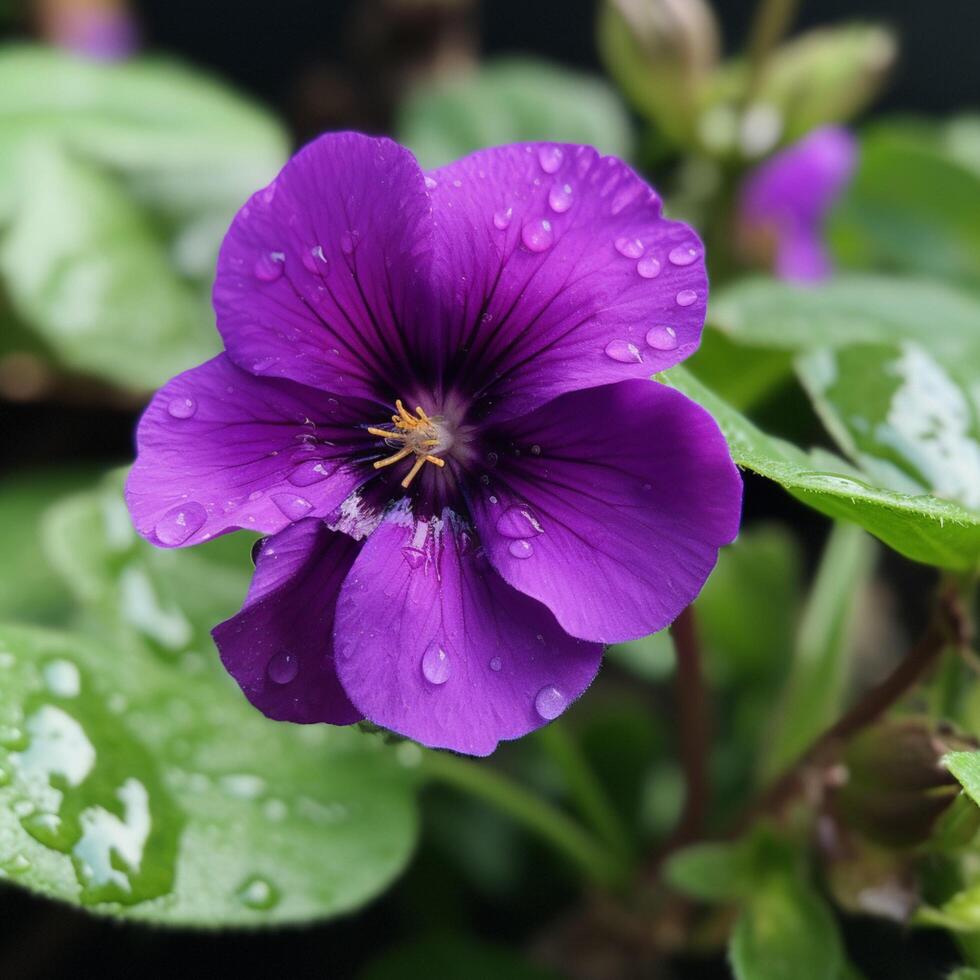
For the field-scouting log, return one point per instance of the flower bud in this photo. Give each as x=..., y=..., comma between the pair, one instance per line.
x=896, y=784
x=660, y=52
x=826, y=76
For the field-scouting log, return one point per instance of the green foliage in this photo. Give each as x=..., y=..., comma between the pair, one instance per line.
x=920, y=526
x=965, y=766
x=913, y=207
x=509, y=101
x=116, y=185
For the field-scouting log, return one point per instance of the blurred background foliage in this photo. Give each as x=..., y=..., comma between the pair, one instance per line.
x=135, y=781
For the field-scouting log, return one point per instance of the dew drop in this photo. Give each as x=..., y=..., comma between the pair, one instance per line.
x=662, y=338
x=496, y=663
x=521, y=549
x=435, y=664
x=431, y=183
x=518, y=522
x=282, y=668
x=413, y=556
x=549, y=702
x=268, y=267
x=182, y=408
x=686, y=297
x=180, y=522
x=560, y=198
x=315, y=260
x=502, y=219
x=347, y=243
x=648, y=267
x=537, y=235
x=683, y=255
x=631, y=248
x=257, y=893
x=310, y=472
x=550, y=158
x=624, y=352
x=292, y=506
x=535, y=450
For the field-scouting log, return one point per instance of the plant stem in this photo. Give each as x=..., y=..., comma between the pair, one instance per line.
x=948, y=625
x=589, y=794
x=692, y=729
x=600, y=864
x=772, y=20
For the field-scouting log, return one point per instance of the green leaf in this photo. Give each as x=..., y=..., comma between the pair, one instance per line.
x=144, y=790
x=30, y=589
x=921, y=527
x=965, y=766
x=904, y=419
x=911, y=207
x=965, y=973
x=713, y=872
x=961, y=913
x=813, y=695
x=509, y=101
x=84, y=266
x=852, y=309
x=786, y=930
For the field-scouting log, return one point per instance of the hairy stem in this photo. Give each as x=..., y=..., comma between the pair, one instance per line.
x=599, y=864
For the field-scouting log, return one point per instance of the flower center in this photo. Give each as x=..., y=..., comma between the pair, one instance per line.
x=416, y=435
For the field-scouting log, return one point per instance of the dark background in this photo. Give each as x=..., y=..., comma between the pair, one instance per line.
x=317, y=64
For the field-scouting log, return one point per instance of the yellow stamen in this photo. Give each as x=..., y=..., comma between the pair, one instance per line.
x=417, y=433
x=401, y=454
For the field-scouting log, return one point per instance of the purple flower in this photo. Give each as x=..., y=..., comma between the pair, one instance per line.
x=785, y=200
x=435, y=398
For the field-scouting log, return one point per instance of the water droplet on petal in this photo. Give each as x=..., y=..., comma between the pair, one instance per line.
x=268, y=267
x=310, y=472
x=662, y=338
x=496, y=663
x=414, y=556
x=686, y=297
x=182, y=408
x=292, y=506
x=518, y=522
x=431, y=183
x=521, y=549
x=347, y=242
x=180, y=522
x=549, y=702
x=648, y=267
x=560, y=198
x=435, y=664
x=550, y=158
x=315, y=260
x=623, y=351
x=501, y=219
x=537, y=235
x=631, y=248
x=535, y=450
x=282, y=668
x=683, y=255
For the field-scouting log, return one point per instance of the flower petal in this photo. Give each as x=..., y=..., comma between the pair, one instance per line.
x=559, y=272
x=279, y=645
x=609, y=506
x=320, y=271
x=219, y=449
x=433, y=644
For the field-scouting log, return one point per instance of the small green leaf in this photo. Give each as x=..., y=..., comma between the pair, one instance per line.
x=786, y=930
x=903, y=418
x=965, y=766
x=509, y=101
x=814, y=692
x=713, y=872
x=83, y=266
x=912, y=206
x=920, y=527
x=961, y=913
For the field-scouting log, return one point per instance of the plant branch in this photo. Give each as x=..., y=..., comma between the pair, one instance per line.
x=553, y=826
x=948, y=625
x=692, y=729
